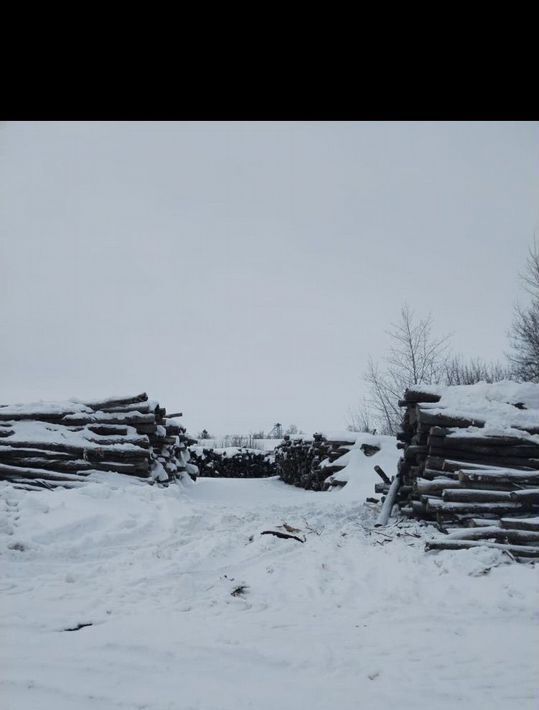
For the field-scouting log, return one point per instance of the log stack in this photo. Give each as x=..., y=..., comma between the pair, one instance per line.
x=312, y=463
x=232, y=462
x=50, y=444
x=470, y=464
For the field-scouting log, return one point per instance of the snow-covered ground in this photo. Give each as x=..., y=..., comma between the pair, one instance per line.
x=351, y=618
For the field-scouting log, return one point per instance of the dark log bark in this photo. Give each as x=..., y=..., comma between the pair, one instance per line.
x=8, y=453
x=412, y=396
x=485, y=459
x=521, y=523
x=484, y=447
x=116, y=401
x=414, y=450
x=507, y=476
x=528, y=497
x=108, y=429
x=466, y=495
x=141, y=408
x=427, y=417
x=433, y=474
x=385, y=478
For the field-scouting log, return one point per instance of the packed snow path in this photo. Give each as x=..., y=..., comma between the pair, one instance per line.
x=350, y=619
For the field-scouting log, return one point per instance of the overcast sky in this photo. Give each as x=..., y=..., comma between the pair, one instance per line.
x=243, y=273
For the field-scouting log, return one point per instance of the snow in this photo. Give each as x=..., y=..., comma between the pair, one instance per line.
x=44, y=408
x=359, y=471
x=353, y=618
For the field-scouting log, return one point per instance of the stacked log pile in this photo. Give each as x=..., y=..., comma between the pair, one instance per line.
x=232, y=462
x=312, y=463
x=474, y=473
x=45, y=445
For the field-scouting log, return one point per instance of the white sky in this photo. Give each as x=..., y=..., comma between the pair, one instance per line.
x=243, y=273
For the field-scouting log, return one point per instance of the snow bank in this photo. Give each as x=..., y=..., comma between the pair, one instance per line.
x=359, y=473
x=352, y=618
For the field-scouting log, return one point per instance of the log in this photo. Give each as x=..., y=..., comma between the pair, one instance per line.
x=412, y=396
x=521, y=523
x=467, y=445
x=142, y=441
x=494, y=533
x=437, y=505
x=8, y=453
x=433, y=474
x=517, y=550
x=451, y=465
x=385, y=478
x=112, y=452
x=505, y=461
x=429, y=418
x=108, y=429
x=116, y=401
x=20, y=471
x=389, y=502
x=483, y=522
x=528, y=496
x=506, y=476
x=284, y=536
x=456, y=435
x=48, y=484
x=424, y=486
x=466, y=495
x=106, y=418
x=381, y=488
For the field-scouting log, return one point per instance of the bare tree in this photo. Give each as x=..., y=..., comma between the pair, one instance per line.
x=415, y=357
x=361, y=420
x=458, y=371
x=525, y=329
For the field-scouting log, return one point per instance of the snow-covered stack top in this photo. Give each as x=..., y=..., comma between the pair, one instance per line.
x=497, y=409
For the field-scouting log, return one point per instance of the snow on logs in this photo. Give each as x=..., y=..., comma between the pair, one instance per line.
x=232, y=462
x=314, y=463
x=470, y=459
x=49, y=444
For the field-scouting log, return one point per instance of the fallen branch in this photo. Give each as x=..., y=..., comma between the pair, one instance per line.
x=284, y=536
